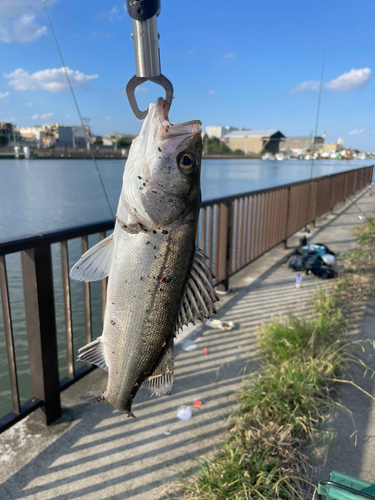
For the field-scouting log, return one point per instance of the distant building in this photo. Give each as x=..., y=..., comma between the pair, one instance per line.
x=218, y=131
x=33, y=135
x=54, y=134
x=301, y=144
x=340, y=143
x=254, y=141
x=331, y=148
x=112, y=138
x=6, y=128
x=65, y=139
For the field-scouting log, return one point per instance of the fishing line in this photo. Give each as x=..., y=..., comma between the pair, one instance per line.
x=316, y=131
x=79, y=113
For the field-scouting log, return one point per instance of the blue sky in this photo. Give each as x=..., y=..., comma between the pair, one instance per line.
x=255, y=64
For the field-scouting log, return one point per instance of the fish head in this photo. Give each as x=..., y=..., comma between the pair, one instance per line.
x=162, y=174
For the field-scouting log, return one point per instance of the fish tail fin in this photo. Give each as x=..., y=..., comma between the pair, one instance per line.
x=101, y=399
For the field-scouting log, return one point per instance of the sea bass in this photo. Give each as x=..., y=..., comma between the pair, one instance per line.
x=158, y=280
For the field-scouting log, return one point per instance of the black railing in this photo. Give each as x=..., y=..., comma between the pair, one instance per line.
x=233, y=231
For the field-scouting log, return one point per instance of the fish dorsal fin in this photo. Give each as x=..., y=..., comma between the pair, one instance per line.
x=95, y=263
x=199, y=295
x=160, y=382
x=93, y=353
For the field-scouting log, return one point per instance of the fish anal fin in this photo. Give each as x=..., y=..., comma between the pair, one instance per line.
x=160, y=382
x=94, y=264
x=199, y=295
x=93, y=353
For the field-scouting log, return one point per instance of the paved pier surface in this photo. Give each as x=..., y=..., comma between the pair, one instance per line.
x=96, y=453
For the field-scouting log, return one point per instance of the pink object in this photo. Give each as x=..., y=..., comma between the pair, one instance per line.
x=205, y=351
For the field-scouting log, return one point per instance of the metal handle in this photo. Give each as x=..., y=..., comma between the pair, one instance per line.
x=145, y=36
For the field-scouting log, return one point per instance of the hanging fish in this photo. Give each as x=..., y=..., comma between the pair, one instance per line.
x=158, y=279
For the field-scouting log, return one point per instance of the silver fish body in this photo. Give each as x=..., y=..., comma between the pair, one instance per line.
x=155, y=272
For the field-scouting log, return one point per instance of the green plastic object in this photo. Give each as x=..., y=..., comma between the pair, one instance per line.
x=362, y=489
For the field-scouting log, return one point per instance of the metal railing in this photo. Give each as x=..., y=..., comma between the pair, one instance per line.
x=233, y=232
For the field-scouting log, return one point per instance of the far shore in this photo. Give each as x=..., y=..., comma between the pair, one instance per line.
x=107, y=154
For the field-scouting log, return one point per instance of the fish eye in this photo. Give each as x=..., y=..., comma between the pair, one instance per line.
x=186, y=162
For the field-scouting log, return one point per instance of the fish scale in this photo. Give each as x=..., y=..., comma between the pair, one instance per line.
x=144, y=310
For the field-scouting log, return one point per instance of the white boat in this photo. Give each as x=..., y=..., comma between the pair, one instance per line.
x=279, y=157
x=268, y=156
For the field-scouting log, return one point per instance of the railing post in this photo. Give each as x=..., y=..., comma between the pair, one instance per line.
x=345, y=186
x=287, y=219
x=41, y=331
x=225, y=237
x=333, y=178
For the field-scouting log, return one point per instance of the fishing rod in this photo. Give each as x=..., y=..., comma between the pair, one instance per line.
x=314, y=138
x=88, y=142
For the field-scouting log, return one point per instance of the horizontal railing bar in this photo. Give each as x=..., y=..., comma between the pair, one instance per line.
x=78, y=374
x=31, y=241
x=273, y=188
x=12, y=418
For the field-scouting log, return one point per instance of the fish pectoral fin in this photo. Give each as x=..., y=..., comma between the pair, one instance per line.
x=93, y=353
x=95, y=263
x=160, y=382
x=199, y=296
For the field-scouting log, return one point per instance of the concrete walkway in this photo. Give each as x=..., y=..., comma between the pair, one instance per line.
x=96, y=453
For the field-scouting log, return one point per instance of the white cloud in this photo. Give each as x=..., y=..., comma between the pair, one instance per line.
x=302, y=87
x=67, y=116
x=115, y=14
x=356, y=79
x=34, y=117
x=29, y=104
x=53, y=80
x=357, y=131
x=230, y=56
x=108, y=118
x=9, y=120
x=18, y=20
x=46, y=116
x=211, y=92
x=141, y=89
x=4, y=97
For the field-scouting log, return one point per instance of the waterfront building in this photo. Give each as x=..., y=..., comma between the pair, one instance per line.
x=299, y=145
x=218, y=132
x=6, y=128
x=254, y=141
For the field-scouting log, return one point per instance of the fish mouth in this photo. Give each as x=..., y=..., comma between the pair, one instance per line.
x=169, y=130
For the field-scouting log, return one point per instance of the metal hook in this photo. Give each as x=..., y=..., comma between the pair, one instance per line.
x=135, y=81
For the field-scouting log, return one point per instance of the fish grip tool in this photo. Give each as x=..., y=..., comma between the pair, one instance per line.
x=144, y=14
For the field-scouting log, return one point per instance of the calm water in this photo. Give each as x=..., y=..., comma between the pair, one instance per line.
x=37, y=196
